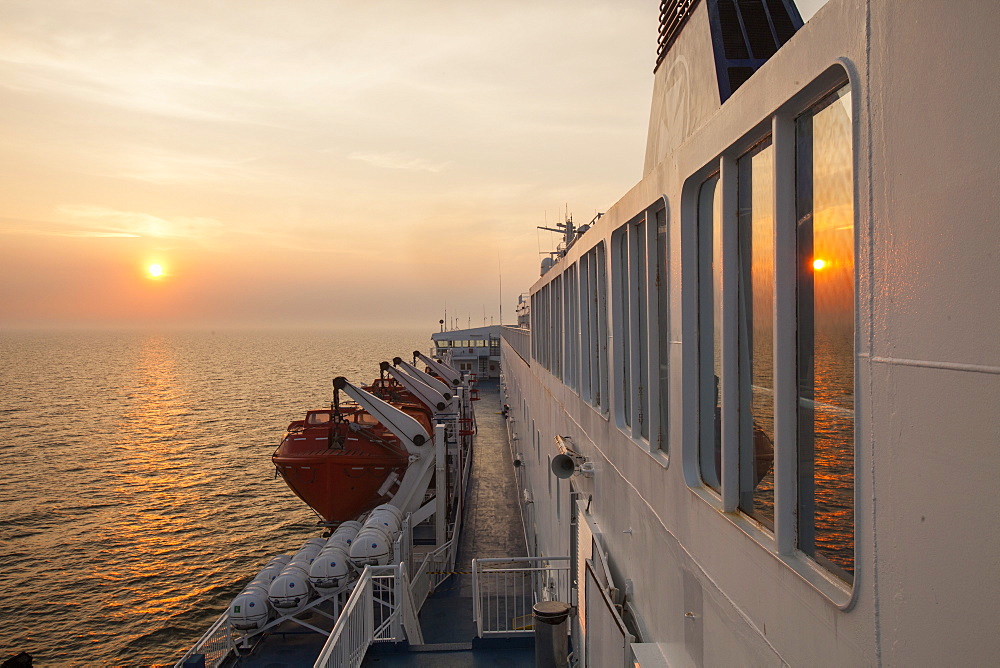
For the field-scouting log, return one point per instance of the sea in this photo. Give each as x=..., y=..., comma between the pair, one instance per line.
x=137, y=494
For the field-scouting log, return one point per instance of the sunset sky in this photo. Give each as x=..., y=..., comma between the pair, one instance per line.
x=305, y=163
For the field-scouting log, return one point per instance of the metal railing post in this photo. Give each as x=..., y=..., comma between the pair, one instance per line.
x=476, y=615
x=440, y=483
x=397, y=604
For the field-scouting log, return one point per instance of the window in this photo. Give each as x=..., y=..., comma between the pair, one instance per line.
x=587, y=317
x=755, y=331
x=662, y=285
x=556, y=335
x=572, y=328
x=594, y=328
x=630, y=277
x=825, y=304
x=623, y=324
x=773, y=244
x=710, y=331
x=319, y=418
x=535, y=326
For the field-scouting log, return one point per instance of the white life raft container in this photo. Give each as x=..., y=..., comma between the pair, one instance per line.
x=329, y=570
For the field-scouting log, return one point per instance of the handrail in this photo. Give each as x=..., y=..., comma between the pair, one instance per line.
x=502, y=598
x=519, y=339
x=378, y=610
x=409, y=615
x=354, y=631
x=215, y=644
x=404, y=543
x=423, y=584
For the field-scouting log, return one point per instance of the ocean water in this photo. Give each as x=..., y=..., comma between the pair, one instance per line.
x=137, y=494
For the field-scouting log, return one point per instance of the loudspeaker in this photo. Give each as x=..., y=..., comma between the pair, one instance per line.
x=563, y=466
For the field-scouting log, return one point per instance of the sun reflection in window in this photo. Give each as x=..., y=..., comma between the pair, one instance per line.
x=826, y=332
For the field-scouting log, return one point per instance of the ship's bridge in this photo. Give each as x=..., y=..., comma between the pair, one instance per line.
x=475, y=350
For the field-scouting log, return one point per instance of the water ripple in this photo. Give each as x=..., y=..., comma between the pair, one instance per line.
x=138, y=494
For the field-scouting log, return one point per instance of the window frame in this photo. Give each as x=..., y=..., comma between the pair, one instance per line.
x=642, y=291
x=593, y=324
x=780, y=126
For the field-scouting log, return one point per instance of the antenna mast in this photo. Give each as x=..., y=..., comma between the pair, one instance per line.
x=500, y=280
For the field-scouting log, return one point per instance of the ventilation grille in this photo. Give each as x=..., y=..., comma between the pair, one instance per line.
x=745, y=33
x=673, y=15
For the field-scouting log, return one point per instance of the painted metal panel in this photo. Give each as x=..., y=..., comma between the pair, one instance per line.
x=608, y=640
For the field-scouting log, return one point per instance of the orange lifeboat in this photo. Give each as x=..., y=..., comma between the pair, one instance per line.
x=341, y=462
x=391, y=391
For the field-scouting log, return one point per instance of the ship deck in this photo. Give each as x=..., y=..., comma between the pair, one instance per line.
x=492, y=527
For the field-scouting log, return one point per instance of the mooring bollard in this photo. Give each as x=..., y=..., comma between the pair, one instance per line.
x=551, y=649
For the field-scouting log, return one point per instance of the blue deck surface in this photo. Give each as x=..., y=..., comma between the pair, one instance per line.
x=483, y=657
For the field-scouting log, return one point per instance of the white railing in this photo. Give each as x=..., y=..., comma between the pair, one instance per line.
x=431, y=573
x=519, y=339
x=377, y=611
x=216, y=644
x=505, y=590
x=402, y=550
x=354, y=630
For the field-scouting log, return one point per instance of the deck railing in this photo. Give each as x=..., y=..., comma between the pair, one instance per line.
x=519, y=339
x=432, y=571
x=378, y=610
x=216, y=644
x=403, y=547
x=505, y=590
x=354, y=631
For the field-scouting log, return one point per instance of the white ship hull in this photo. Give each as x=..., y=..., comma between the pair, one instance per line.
x=701, y=581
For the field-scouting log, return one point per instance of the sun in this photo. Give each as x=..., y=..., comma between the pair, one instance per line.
x=155, y=270
x=819, y=264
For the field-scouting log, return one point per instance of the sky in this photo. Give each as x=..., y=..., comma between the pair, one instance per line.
x=306, y=163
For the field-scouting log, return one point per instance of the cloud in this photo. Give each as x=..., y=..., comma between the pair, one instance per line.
x=103, y=221
x=398, y=161
x=296, y=138
x=46, y=229
x=163, y=165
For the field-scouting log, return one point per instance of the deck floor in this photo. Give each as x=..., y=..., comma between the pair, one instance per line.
x=492, y=528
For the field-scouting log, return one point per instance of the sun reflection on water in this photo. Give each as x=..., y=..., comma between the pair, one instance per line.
x=139, y=496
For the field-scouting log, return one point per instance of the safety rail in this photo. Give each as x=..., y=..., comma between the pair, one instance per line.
x=519, y=339
x=403, y=547
x=215, y=645
x=379, y=610
x=431, y=573
x=505, y=590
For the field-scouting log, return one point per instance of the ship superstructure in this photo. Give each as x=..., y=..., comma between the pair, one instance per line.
x=756, y=402
x=474, y=350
